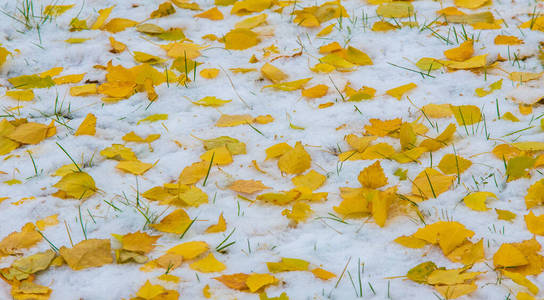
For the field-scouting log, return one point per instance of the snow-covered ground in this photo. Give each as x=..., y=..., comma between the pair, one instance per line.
x=363, y=255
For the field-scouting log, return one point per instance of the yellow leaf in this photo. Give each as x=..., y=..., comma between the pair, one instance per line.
x=480, y=92
x=87, y=127
x=46, y=222
x=193, y=173
x=466, y=114
x=471, y=4
x=381, y=128
x=454, y=164
x=138, y=241
x=189, y=250
x=535, y=224
x=251, y=22
x=468, y=253
x=234, y=281
x=505, y=214
x=209, y=73
x=289, y=86
x=447, y=234
x=76, y=40
x=507, y=40
x=22, y=268
x=244, y=7
x=240, y=39
x=211, y=101
x=295, y=161
x=427, y=64
x=3, y=55
x=277, y=150
x=521, y=280
x=430, y=183
x=357, y=57
x=338, y=62
x=535, y=194
x=79, y=185
x=316, y=91
x=176, y=222
x=147, y=58
x=257, y=281
x=221, y=156
x=437, y=110
x=300, y=212
x=407, y=136
x=208, y=264
x=56, y=10
x=410, y=242
x=150, y=291
x=219, y=227
x=461, y=53
x=248, y=186
x=117, y=152
x=471, y=63
x=476, y=200
x=24, y=95
x=31, y=82
x=395, y=10
x=509, y=256
x=272, y=73
x=311, y=180
x=288, y=264
x=524, y=76
x=154, y=118
x=380, y=205
x=433, y=144
x=421, y=272
x=233, y=120
x=116, y=46
x=74, y=78
x=135, y=167
x=16, y=241
x=87, y=254
x=84, y=90
x=164, y=9
x=450, y=277
x=398, y=92
x=326, y=31
x=382, y=26
x=372, y=176
x=103, y=15
x=118, y=24
x=213, y=14
x=456, y=291
x=323, y=274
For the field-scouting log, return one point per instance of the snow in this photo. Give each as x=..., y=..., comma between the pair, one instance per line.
x=261, y=226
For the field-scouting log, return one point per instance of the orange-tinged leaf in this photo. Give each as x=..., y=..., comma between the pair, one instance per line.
x=316, y=91
x=410, y=242
x=209, y=73
x=29, y=133
x=87, y=254
x=373, y=176
x=295, y=160
x=176, y=222
x=461, y=53
x=193, y=173
x=311, y=180
x=240, y=39
x=233, y=120
x=118, y=24
x=87, y=127
x=507, y=40
x=16, y=241
x=234, y=281
x=116, y=46
x=135, y=167
x=138, y=241
x=323, y=274
x=213, y=14
x=219, y=227
x=47, y=221
x=248, y=186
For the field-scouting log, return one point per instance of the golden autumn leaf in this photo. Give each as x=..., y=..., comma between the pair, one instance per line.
x=79, y=185
x=273, y=73
x=398, y=92
x=288, y=264
x=373, y=176
x=24, y=267
x=176, y=222
x=461, y=53
x=535, y=224
x=255, y=282
x=431, y=183
x=208, y=264
x=248, y=186
x=87, y=254
x=16, y=241
x=295, y=160
x=219, y=227
x=135, y=167
x=300, y=212
x=87, y=127
x=240, y=39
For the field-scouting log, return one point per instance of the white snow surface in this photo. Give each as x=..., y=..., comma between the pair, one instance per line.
x=322, y=242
